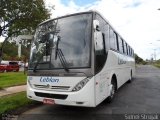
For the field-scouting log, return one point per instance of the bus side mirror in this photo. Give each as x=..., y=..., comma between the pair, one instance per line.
x=96, y=25
x=55, y=39
x=98, y=38
x=43, y=38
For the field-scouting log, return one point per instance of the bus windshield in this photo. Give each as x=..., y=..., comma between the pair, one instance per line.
x=62, y=43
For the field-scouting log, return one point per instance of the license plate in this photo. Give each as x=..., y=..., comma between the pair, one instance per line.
x=48, y=101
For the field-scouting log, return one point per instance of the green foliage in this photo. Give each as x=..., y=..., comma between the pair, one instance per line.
x=12, y=79
x=10, y=52
x=10, y=49
x=139, y=60
x=157, y=63
x=19, y=16
x=14, y=101
x=25, y=52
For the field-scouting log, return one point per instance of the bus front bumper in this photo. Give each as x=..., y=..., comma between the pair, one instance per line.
x=84, y=97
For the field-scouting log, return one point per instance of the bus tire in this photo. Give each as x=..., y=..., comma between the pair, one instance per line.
x=113, y=90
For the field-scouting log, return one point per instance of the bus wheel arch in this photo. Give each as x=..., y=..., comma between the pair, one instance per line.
x=131, y=76
x=113, y=88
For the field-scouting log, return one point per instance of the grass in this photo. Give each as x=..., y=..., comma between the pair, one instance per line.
x=9, y=79
x=12, y=102
x=157, y=65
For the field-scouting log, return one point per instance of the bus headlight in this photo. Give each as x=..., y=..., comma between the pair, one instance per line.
x=80, y=85
x=29, y=83
x=29, y=79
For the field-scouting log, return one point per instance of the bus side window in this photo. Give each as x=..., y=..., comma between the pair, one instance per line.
x=125, y=49
x=106, y=35
x=120, y=45
x=100, y=59
x=132, y=53
x=129, y=51
x=112, y=39
x=117, y=42
x=123, y=46
x=104, y=28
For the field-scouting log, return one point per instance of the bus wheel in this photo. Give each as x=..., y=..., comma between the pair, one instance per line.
x=112, y=91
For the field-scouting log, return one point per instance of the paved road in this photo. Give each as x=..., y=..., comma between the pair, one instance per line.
x=141, y=96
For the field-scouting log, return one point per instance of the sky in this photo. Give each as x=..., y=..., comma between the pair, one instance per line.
x=137, y=21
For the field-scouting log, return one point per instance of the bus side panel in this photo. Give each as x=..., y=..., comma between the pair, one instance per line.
x=102, y=83
x=118, y=65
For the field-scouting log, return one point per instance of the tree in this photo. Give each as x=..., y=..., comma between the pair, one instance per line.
x=139, y=60
x=21, y=16
x=10, y=51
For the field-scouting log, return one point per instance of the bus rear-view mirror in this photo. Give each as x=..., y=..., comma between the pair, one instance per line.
x=96, y=25
x=43, y=38
x=98, y=38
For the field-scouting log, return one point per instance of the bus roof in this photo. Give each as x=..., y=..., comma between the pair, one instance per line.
x=90, y=11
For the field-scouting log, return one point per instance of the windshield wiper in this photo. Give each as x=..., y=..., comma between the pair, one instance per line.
x=62, y=59
x=37, y=63
x=60, y=54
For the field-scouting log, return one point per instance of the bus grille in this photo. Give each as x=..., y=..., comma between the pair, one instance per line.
x=48, y=95
x=47, y=87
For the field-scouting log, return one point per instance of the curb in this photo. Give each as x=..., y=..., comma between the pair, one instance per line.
x=12, y=90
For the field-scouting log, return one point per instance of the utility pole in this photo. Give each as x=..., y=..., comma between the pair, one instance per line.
x=19, y=49
x=154, y=54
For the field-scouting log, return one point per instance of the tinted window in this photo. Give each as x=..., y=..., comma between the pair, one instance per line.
x=106, y=32
x=112, y=39
x=13, y=63
x=117, y=42
x=74, y=44
x=133, y=53
x=101, y=59
x=126, y=49
x=120, y=44
x=130, y=51
x=104, y=28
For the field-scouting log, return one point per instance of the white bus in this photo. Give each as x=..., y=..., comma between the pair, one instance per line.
x=78, y=60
